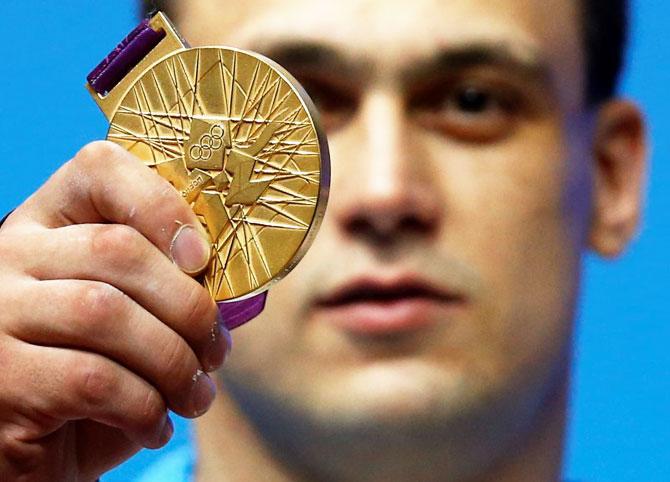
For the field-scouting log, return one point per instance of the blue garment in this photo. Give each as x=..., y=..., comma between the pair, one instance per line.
x=175, y=466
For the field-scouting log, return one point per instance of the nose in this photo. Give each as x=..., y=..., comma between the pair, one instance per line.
x=387, y=185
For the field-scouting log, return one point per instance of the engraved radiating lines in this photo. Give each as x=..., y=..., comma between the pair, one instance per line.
x=258, y=97
x=282, y=176
x=308, y=201
x=233, y=77
x=219, y=247
x=144, y=122
x=290, y=155
x=280, y=171
x=152, y=117
x=242, y=222
x=248, y=223
x=258, y=100
x=244, y=246
x=224, y=90
x=158, y=117
x=252, y=106
x=247, y=97
x=238, y=127
x=171, y=68
x=259, y=247
x=285, y=214
x=288, y=202
x=163, y=102
x=194, y=84
x=253, y=100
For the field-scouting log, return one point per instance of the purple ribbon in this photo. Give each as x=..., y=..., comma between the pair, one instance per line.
x=124, y=57
x=236, y=313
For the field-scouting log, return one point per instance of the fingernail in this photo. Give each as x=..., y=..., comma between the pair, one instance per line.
x=218, y=348
x=202, y=394
x=189, y=250
x=168, y=430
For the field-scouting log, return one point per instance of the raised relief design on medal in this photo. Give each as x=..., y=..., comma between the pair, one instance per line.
x=231, y=134
x=206, y=146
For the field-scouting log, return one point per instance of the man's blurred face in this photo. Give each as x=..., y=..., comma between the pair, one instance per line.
x=443, y=279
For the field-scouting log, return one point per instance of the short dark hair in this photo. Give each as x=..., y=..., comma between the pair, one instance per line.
x=606, y=28
x=605, y=36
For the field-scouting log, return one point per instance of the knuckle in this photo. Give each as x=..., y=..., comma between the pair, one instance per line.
x=21, y=457
x=16, y=242
x=92, y=381
x=168, y=200
x=94, y=153
x=118, y=244
x=163, y=189
x=99, y=301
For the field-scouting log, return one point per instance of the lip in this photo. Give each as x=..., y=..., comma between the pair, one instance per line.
x=395, y=305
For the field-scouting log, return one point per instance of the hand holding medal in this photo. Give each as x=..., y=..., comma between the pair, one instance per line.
x=102, y=333
x=237, y=136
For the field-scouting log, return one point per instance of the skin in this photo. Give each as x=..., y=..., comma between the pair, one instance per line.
x=81, y=302
x=499, y=203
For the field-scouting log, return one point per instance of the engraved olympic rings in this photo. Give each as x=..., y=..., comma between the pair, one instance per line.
x=207, y=144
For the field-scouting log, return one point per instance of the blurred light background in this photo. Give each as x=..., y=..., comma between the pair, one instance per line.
x=620, y=423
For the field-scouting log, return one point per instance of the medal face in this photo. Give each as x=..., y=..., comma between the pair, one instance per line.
x=237, y=137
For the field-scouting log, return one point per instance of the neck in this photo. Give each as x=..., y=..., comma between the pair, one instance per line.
x=537, y=457
x=231, y=450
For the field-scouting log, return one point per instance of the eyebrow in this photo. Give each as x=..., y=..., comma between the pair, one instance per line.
x=521, y=60
x=305, y=54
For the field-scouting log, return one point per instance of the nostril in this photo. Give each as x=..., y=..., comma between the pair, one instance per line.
x=359, y=226
x=383, y=228
x=414, y=224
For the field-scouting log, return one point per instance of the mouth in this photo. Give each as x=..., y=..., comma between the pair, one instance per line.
x=386, y=307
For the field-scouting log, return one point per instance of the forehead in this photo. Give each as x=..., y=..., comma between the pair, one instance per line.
x=392, y=34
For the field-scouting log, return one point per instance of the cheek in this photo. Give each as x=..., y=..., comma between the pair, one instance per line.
x=510, y=219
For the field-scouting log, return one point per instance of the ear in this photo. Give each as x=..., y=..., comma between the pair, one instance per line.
x=620, y=156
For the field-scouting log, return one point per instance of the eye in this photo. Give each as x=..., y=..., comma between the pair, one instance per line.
x=474, y=100
x=468, y=111
x=335, y=101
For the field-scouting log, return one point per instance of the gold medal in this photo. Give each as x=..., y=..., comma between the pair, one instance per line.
x=237, y=136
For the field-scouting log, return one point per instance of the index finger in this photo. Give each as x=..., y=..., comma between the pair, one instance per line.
x=105, y=183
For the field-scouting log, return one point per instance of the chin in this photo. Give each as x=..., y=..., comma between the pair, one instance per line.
x=390, y=391
x=414, y=383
